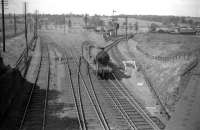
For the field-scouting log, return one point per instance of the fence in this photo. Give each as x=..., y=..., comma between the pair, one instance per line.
x=181, y=56
x=165, y=59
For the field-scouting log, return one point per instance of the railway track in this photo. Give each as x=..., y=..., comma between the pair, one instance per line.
x=129, y=108
x=23, y=54
x=165, y=112
x=34, y=116
x=21, y=63
x=76, y=94
x=120, y=122
x=120, y=58
x=82, y=109
x=115, y=121
x=153, y=121
x=134, y=115
x=20, y=59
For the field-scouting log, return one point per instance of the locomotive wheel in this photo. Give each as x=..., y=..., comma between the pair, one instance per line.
x=106, y=76
x=103, y=74
x=98, y=74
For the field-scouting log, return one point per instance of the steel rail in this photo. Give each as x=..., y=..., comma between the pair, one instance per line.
x=79, y=112
x=117, y=103
x=31, y=92
x=136, y=103
x=46, y=93
x=33, y=88
x=95, y=95
x=133, y=102
x=119, y=106
x=19, y=60
x=98, y=109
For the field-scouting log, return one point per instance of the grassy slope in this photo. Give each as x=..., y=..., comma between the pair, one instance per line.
x=165, y=76
x=167, y=44
x=14, y=47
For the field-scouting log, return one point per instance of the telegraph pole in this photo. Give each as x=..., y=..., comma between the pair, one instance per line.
x=15, y=25
x=26, y=38
x=3, y=25
x=64, y=24
x=126, y=28
x=86, y=20
x=114, y=24
x=35, y=24
x=69, y=23
x=113, y=14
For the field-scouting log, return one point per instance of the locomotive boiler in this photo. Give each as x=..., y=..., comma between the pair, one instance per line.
x=97, y=59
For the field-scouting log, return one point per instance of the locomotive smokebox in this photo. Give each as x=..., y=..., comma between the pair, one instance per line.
x=102, y=57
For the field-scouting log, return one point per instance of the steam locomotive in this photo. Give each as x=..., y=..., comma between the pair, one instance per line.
x=97, y=59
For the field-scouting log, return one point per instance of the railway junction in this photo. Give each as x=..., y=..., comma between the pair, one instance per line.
x=105, y=85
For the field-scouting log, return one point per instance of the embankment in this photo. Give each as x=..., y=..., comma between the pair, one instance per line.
x=12, y=96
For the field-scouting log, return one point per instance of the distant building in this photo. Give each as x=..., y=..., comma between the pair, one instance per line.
x=197, y=29
x=187, y=30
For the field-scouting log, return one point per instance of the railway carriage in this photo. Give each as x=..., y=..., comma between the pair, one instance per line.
x=97, y=59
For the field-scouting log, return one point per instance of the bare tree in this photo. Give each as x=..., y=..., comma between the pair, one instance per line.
x=136, y=26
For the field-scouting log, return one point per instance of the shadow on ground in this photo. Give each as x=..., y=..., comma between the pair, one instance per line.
x=14, y=92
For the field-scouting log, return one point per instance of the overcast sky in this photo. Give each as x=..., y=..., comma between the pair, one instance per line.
x=154, y=7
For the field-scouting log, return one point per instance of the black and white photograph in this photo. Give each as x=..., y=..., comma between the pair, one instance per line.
x=100, y=65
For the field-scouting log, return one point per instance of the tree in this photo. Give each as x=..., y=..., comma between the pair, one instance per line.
x=130, y=26
x=69, y=23
x=182, y=19
x=86, y=19
x=190, y=22
x=136, y=26
x=197, y=23
x=153, y=27
x=96, y=21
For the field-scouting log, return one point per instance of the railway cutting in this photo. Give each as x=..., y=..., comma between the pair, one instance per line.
x=81, y=72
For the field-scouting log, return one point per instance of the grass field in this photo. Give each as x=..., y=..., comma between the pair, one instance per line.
x=9, y=30
x=166, y=77
x=167, y=44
